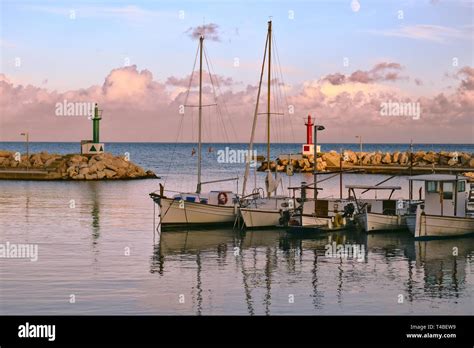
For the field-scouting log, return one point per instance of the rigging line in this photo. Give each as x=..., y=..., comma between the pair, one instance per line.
x=191, y=77
x=279, y=121
x=224, y=102
x=284, y=92
x=209, y=130
x=277, y=93
x=220, y=118
x=220, y=113
x=276, y=120
x=172, y=157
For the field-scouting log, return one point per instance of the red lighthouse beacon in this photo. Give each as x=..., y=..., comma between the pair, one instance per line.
x=308, y=148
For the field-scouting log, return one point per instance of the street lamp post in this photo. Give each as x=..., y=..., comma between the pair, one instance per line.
x=360, y=148
x=26, y=134
x=315, y=165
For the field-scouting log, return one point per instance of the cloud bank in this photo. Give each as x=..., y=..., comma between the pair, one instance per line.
x=139, y=108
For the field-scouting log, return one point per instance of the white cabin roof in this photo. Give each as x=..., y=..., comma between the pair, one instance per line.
x=373, y=187
x=437, y=177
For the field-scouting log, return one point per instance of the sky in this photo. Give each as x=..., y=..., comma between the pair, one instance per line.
x=340, y=61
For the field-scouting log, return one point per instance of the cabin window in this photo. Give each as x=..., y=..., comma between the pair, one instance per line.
x=448, y=190
x=431, y=186
x=461, y=186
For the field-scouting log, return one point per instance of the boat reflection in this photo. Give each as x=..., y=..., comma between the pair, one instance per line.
x=444, y=263
x=265, y=257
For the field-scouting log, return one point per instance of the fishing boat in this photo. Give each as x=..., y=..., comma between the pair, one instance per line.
x=322, y=214
x=196, y=209
x=444, y=212
x=257, y=210
x=375, y=215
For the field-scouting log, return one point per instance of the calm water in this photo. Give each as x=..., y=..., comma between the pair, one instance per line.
x=83, y=251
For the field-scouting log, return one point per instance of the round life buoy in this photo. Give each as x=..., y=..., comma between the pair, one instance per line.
x=222, y=198
x=338, y=220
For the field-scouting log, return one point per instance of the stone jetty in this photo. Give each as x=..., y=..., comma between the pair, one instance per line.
x=45, y=166
x=378, y=162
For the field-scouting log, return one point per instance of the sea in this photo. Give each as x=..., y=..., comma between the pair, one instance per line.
x=98, y=251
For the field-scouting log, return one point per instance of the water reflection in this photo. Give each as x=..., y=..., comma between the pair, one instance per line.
x=444, y=263
x=95, y=211
x=265, y=257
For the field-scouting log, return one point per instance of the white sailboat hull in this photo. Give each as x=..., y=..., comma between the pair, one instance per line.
x=174, y=214
x=372, y=222
x=260, y=217
x=436, y=226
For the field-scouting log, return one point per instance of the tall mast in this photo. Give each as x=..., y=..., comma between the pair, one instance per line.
x=254, y=125
x=201, y=42
x=268, y=92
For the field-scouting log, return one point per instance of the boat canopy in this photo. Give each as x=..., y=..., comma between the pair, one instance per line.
x=437, y=177
x=372, y=187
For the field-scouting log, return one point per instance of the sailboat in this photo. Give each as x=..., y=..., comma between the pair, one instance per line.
x=258, y=211
x=195, y=209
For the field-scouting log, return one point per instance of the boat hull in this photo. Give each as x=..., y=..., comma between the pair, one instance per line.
x=312, y=221
x=174, y=214
x=373, y=222
x=436, y=226
x=255, y=218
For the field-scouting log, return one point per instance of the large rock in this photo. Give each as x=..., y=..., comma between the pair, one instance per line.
x=465, y=158
x=350, y=156
x=100, y=165
x=44, y=156
x=471, y=163
x=396, y=157
x=444, y=159
x=431, y=157
x=387, y=159
x=79, y=177
x=376, y=159
x=366, y=159
x=453, y=161
x=404, y=160
x=110, y=166
x=49, y=161
x=6, y=153
x=332, y=159
x=36, y=161
x=91, y=176
x=418, y=156
x=109, y=173
x=84, y=171
x=320, y=165
x=92, y=168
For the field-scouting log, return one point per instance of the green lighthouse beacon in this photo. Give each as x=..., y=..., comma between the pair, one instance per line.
x=94, y=146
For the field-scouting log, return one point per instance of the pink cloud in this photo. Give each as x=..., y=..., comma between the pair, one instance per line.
x=380, y=72
x=139, y=108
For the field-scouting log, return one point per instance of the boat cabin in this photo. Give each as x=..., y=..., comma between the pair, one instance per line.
x=387, y=206
x=214, y=197
x=445, y=194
